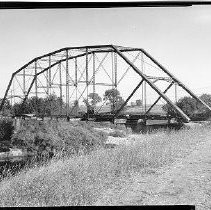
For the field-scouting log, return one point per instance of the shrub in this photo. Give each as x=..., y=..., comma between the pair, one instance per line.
x=64, y=138
x=6, y=131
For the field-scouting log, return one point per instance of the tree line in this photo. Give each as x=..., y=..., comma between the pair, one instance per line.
x=54, y=105
x=191, y=107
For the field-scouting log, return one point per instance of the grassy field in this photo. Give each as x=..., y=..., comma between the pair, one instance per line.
x=82, y=179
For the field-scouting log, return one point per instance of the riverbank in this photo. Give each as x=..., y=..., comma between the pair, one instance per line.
x=106, y=176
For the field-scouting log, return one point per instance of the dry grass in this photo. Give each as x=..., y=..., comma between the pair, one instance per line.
x=81, y=180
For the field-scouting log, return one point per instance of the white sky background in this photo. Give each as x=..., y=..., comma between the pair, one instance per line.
x=179, y=38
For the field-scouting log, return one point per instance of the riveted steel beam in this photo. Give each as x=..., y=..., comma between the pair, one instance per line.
x=175, y=79
x=153, y=86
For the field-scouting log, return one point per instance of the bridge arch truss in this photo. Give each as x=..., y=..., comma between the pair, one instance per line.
x=72, y=73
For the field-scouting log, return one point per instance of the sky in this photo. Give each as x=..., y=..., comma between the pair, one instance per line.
x=179, y=38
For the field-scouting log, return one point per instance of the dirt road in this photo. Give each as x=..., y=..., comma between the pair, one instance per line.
x=187, y=181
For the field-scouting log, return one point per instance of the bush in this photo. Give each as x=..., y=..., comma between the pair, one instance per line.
x=195, y=110
x=51, y=138
x=6, y=131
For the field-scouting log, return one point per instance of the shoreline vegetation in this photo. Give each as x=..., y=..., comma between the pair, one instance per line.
x=91, y=170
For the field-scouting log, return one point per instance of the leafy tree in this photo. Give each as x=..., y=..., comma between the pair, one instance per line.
x=76, y=103
x=43, y=106
x=191, y=107
x=17, y=109
x=6, y=109
x=53, y=105
x=113, y=95
x=6, y=129
x=75, y=108
x=95, y=98
x=36, y=104
x=7, y=104
x=187, y=104
x=6, y=132
x=139, y=102
x=169, y=110
x=90, y=108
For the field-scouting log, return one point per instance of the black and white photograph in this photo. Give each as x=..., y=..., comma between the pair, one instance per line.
x=105, y=104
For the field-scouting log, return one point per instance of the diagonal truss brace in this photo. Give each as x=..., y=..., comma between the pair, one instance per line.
x=159, y=98
x=175, y=79
x=136, y=88
x=176, y=108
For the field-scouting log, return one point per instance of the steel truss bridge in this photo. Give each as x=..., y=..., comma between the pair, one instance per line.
x=72, y=73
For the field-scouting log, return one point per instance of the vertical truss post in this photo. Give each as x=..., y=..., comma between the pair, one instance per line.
x=94, y=82
x=35, y=74
x=112, y=68
x=115, y=81
x=87, y=80
x=67, y=84
x=47, y=83
x=175, y=92
x=142, y=87
x=49, y=77
x=24, y=82
x=113, y=76
x=60, y=87
x=145, y=96
x=76, y=85
x=35, y=69
x=115, y=69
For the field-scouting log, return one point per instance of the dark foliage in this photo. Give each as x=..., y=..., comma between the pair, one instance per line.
x=114, y=97
x=6, y=130
x=49, y=138
x=52, y=105
x=191, y=107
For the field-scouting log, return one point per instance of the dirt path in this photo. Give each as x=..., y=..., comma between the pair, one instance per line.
x=187, y=181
